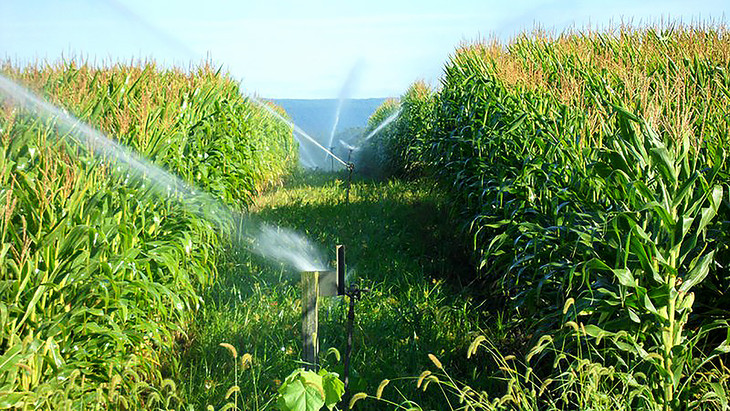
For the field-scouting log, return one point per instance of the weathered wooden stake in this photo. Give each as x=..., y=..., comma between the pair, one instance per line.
x=341, y=268
x=310, y=319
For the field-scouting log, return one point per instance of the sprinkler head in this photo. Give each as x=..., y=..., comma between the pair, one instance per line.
x=350, y=167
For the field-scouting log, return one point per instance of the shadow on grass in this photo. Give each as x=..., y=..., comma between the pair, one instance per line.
x=313, y=179
x=388, y=233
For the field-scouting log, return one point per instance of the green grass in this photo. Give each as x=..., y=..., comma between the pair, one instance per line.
x=397, y=245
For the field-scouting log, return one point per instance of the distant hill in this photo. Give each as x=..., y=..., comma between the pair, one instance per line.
x=317, y=117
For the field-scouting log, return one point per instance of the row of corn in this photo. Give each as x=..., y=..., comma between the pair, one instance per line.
x=98, y=272
x=589, y=171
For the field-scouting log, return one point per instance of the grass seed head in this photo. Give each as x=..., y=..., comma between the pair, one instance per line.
x=435, y=361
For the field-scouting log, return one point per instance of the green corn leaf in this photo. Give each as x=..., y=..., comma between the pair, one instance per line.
x=54, y=351
x=31, y=304
x=633, y=316
x=4, y=250
x=12, y=400
x=625, y=277
x=707, y=214
x=639, y=250
x=684, y=190
x=517, y=123
x=723, y=348
x=698, y=272
x=596, y=264
x=649, y=305
x=687, y=302
x=623, y=111
x=664, y=214
x=665, y=164
x=659, y=295
x=685, y=225
x=647, y=194
x=11, y=357
x=716, y=197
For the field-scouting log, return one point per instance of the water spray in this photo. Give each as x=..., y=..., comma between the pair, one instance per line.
x=296, y=128
x=382, y=125
x=345, y=92
x=348, y=146
x=350, y=169
x=337, y=121
x=269, y=241
x=165, y=182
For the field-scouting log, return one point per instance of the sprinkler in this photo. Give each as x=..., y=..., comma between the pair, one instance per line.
x=317, y=284
x=355, y=293
x=350, y=169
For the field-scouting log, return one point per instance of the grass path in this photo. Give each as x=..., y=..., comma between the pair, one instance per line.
x=397, y=245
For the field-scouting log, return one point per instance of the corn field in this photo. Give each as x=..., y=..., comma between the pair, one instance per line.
x=589, y=171
x=98, y=273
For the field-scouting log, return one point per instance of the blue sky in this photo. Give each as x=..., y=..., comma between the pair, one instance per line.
x=288, y=49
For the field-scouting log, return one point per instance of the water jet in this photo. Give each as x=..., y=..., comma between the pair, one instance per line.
x=271, y=242
x=344, y=94
x=297, y=129
x=382, y=125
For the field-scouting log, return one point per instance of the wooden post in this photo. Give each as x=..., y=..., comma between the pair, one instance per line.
x=341, y=267
x=310, y=319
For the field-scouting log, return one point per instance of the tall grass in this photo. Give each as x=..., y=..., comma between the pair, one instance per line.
x=590, y=171
x=98, y=273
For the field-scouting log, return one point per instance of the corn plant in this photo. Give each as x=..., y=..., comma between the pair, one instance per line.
x=589, y=167
x=661, y=251
x=99, y=275
x=398, y=146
